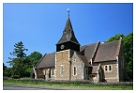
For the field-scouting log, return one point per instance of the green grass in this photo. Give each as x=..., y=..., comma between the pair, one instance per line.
x=74, y=85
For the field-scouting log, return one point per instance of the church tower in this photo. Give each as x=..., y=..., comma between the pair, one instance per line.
x=68, y=39
x=64, y=50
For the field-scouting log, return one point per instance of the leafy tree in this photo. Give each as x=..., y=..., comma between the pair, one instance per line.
x=31, y=60
x=17, y=62
x=128, y=52
x=34, y=57
x=7, y=72
x=116, y=37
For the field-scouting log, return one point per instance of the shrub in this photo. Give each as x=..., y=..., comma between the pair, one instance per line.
x=15, y=76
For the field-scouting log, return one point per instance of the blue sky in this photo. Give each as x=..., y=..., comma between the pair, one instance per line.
x=40, y=26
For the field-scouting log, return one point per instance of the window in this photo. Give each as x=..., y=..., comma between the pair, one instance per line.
x=105, y=68
x=75, y=71
x=61, y=69
x=109, y=68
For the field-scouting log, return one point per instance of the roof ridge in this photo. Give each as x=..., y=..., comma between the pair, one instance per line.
x=110, y=42
x=96, y=48
x=88, y=44
x=50, y=53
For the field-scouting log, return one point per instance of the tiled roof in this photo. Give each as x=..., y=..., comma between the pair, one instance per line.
x=107, y=51
x=88, y=50
x=47, y=61
x=84, y=59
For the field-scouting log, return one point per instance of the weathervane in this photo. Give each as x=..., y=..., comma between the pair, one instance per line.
x=68, y=12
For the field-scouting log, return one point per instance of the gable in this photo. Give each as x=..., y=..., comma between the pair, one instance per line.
x=107, y=51
x=89, y=50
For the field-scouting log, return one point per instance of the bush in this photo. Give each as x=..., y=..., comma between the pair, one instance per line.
x=15, y=76
x=76, y=82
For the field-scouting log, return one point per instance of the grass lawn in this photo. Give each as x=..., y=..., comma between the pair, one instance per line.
x=75, y=85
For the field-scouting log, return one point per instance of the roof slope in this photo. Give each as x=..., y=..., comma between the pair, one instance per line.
x=88, y=50
x=48, y=60
x=94, y=69
x=68, y=34
x=84, y=59
x=107, y=51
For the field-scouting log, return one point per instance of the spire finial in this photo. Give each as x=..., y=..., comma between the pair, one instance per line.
x=68, y=12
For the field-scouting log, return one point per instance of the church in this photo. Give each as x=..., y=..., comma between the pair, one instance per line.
x=97, y=62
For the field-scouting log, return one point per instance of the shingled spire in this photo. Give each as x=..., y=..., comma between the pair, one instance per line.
x=68, y=26
x=68, y=35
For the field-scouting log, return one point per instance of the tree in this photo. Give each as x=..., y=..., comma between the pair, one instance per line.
x=128, y=52
x=34, y=57
x=31, y=60
x=17, y=62
x=4, y=67
x=116, y=37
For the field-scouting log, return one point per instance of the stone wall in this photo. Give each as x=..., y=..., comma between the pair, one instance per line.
x=80, y=68
x=62, y=60
x=110, y=75
x=68, y=60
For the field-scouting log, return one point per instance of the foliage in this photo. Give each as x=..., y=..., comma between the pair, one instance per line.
x=4, y=67
x=116, y=37
x=6, y=71
x=15, y=76
x=128, y=52
x=76, y=82
x=21, y=63
x=34, y=57
x=17, y=62
x=31, y=60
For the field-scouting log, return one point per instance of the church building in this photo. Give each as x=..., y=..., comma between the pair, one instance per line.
x=97, y=62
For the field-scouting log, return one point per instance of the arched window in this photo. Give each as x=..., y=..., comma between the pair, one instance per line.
x=61, y=69
x=75, y=71
x=110, y=68
x=105, y=68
